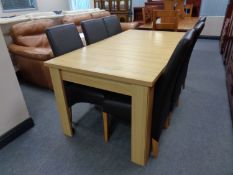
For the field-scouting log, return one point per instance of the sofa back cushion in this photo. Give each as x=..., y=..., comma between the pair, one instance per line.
x=32, y=33
x=100, y=14
x=76, y=19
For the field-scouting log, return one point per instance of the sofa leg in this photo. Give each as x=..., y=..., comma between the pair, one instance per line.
x=155, y=148
x=106, y=128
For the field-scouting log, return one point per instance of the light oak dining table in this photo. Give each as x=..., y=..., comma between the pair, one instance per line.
x=184, y=24
x=128, y=63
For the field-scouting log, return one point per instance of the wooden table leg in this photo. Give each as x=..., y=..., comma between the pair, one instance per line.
x=142, y=103
x=61, y=101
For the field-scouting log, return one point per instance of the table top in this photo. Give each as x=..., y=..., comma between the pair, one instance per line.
x=135, y=56
x=184, y=24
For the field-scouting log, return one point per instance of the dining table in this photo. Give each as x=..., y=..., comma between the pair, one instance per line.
x=128, y=63
x=184, y=24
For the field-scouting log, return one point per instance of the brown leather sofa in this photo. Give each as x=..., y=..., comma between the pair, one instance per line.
x=77, y=19
x=30, y=47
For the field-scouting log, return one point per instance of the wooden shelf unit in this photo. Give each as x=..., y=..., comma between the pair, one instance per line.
x=121, y=8
x=226, y=49
x=159, y=4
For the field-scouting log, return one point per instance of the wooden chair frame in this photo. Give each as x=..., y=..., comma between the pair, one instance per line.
x=169, y=20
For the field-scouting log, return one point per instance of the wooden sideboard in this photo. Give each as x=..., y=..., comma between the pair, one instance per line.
x=159, y=4
x=226, y=49
x=121, y=8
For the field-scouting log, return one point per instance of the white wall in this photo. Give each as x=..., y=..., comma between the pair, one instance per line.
x=213, y=7
x=43, y=6
x=12, y=106
x=213, y=26
x=215, y=12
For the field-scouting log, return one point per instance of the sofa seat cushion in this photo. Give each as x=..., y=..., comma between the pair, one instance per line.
x=37, y=53
x=129, y=25
x=32, y=40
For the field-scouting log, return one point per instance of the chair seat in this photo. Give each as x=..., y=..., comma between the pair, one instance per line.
x=79, y=93
x=113, y=102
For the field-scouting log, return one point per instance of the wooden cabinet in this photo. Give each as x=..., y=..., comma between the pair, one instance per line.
x=226, y=49
x=121, y=8
x=196, y=7
x=159, y=4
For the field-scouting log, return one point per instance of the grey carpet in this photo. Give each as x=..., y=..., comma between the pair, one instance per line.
x=199, y=140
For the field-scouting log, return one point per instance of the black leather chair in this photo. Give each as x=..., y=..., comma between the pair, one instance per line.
x=198, y=29
x=120, y=105
x=94, y=30
x=202, y=19
x=64, y=39
x=190, y=36
x=112, y=25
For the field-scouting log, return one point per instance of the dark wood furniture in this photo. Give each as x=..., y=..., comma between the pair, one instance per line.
x=184, y=24
x=196, y=7
x=226, y=49
x=121, y=8
x=159, y=4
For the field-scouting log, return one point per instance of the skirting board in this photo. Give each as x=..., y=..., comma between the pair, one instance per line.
x=15, y=132
x=209, y=37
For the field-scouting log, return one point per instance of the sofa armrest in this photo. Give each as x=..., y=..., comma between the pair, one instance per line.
x=129, y=25
x=37, y=53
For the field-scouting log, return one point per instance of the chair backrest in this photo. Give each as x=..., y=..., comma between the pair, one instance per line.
x=190, y=37
x=165, y=87
x=112, y=25
x=188, y=9
x=199, y=27
x=168, y=20
x=202, y=19
x=147, y=14
x=63, y=39
x=94, y=30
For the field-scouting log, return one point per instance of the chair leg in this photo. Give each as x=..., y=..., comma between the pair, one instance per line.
x=106, y=128
x=155, y=148
x=183, y=85
x=178, y=102
x=167, y=122
x=70, y=112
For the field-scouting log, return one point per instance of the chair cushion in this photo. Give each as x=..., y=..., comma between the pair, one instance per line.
x=117, y=105
x=80, y=93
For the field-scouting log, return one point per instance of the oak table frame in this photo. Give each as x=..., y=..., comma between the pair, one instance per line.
x=184, y=24
x=128, y=63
